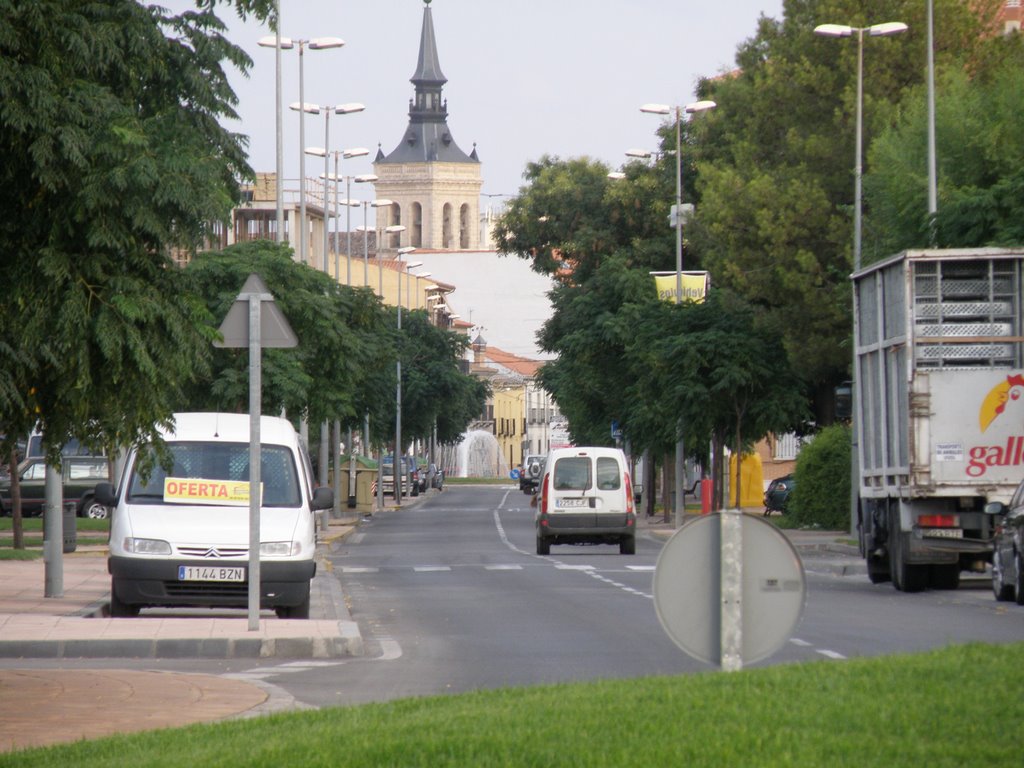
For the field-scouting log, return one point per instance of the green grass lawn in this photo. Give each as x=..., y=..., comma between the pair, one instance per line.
x=960, y=706
x=88, y=531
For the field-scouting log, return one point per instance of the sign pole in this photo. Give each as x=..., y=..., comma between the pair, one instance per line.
x=249, y=324
x=255, y=412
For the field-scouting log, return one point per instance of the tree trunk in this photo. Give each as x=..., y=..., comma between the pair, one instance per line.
x=17, y=528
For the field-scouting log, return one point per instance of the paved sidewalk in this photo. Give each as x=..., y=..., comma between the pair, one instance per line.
x=77, y=624
x=40, y=707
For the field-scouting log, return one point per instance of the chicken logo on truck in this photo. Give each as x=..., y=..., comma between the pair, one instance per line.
x=1006, y=454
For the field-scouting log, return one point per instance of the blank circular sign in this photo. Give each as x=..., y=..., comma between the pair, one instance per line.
x=687, y=588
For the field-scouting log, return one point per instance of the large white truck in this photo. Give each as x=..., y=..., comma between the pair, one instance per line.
x=939, y=409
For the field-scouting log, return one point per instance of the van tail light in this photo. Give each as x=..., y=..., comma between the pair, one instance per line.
x=629, y=493
x=544, y=495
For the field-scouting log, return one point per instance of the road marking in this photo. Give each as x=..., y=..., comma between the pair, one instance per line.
x=431, y=568
x=830, y=654
x=503, y=567
x=798, y=641
x=565, y=567
x=354, y=569
x=639, y=567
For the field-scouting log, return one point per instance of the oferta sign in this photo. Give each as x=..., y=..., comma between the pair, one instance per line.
x=192, y=490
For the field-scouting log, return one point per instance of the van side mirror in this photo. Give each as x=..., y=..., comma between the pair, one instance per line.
x=104, y=493
x=996, y=508
x=323, y=498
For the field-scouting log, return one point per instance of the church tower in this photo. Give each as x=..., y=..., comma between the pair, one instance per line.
x=434, y=186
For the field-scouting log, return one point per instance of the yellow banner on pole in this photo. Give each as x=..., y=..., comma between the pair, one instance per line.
x=695, y=286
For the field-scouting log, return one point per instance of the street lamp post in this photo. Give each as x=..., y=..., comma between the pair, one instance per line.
x=840, y=30
x=347, y=202
x=368, y=178
x=875, y=30
x=315, y=44
x=399, y=453
x=677, y=112
x=418, y=276
x=325, y=152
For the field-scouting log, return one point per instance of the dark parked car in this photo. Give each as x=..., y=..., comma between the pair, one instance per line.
x=1007, y=553
x=80, y=475
x=777, y=496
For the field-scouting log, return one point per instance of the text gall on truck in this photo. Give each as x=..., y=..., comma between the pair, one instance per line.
x=939, y=392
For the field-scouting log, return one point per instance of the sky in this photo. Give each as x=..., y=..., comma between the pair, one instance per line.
x=525, y=77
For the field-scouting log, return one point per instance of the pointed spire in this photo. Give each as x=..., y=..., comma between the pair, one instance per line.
x=428, y=138
x=428, y=68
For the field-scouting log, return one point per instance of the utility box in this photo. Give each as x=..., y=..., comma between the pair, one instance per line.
x=366, y=480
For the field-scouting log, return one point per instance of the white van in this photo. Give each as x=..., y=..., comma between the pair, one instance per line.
x=179, y=534
x=586, y=497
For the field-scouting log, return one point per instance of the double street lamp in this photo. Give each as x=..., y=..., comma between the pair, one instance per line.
x=677, y=112
x=287, y=43
x=843, y=30
x=340, y=154
x=325, y=151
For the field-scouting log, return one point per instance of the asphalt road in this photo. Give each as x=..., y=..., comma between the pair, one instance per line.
x=450, y=596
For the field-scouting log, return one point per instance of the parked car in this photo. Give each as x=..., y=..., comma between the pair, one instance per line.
x=533, y=469
x=776, y=497
x=80, y=475
x=1007, y=552
x=586, y=497
x=406, y=471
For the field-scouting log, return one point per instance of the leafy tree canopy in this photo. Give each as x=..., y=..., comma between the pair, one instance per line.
x=110, y=125
x=980, y=159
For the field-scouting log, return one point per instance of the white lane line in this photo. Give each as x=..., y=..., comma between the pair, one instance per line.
x=356, y=569
x=431, y=568
x=503, y=567
x=639, y=567
x=798, y=641
x=564, y=567
x=830, y=654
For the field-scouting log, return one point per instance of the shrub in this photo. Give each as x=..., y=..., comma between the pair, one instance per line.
x=821, y=498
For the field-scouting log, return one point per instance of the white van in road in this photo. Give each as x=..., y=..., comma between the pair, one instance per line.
x=179, y=535
x=586, y=497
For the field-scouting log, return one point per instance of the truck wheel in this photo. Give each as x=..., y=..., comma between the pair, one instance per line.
x=1018, y=581
x=1000, y=588
x=878, y=570
x=543, y=545
x=905, y=577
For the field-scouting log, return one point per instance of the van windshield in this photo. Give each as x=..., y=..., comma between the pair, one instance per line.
x=221, y=461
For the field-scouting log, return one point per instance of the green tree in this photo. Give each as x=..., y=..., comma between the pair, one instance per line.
x=775, y=183
x=980, y=159
x=821, y=498
x=344, y=335
x=434, y=391
x=716, y=367
x=109, y=124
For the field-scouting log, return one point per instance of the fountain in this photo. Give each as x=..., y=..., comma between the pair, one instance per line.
x=479, y=455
